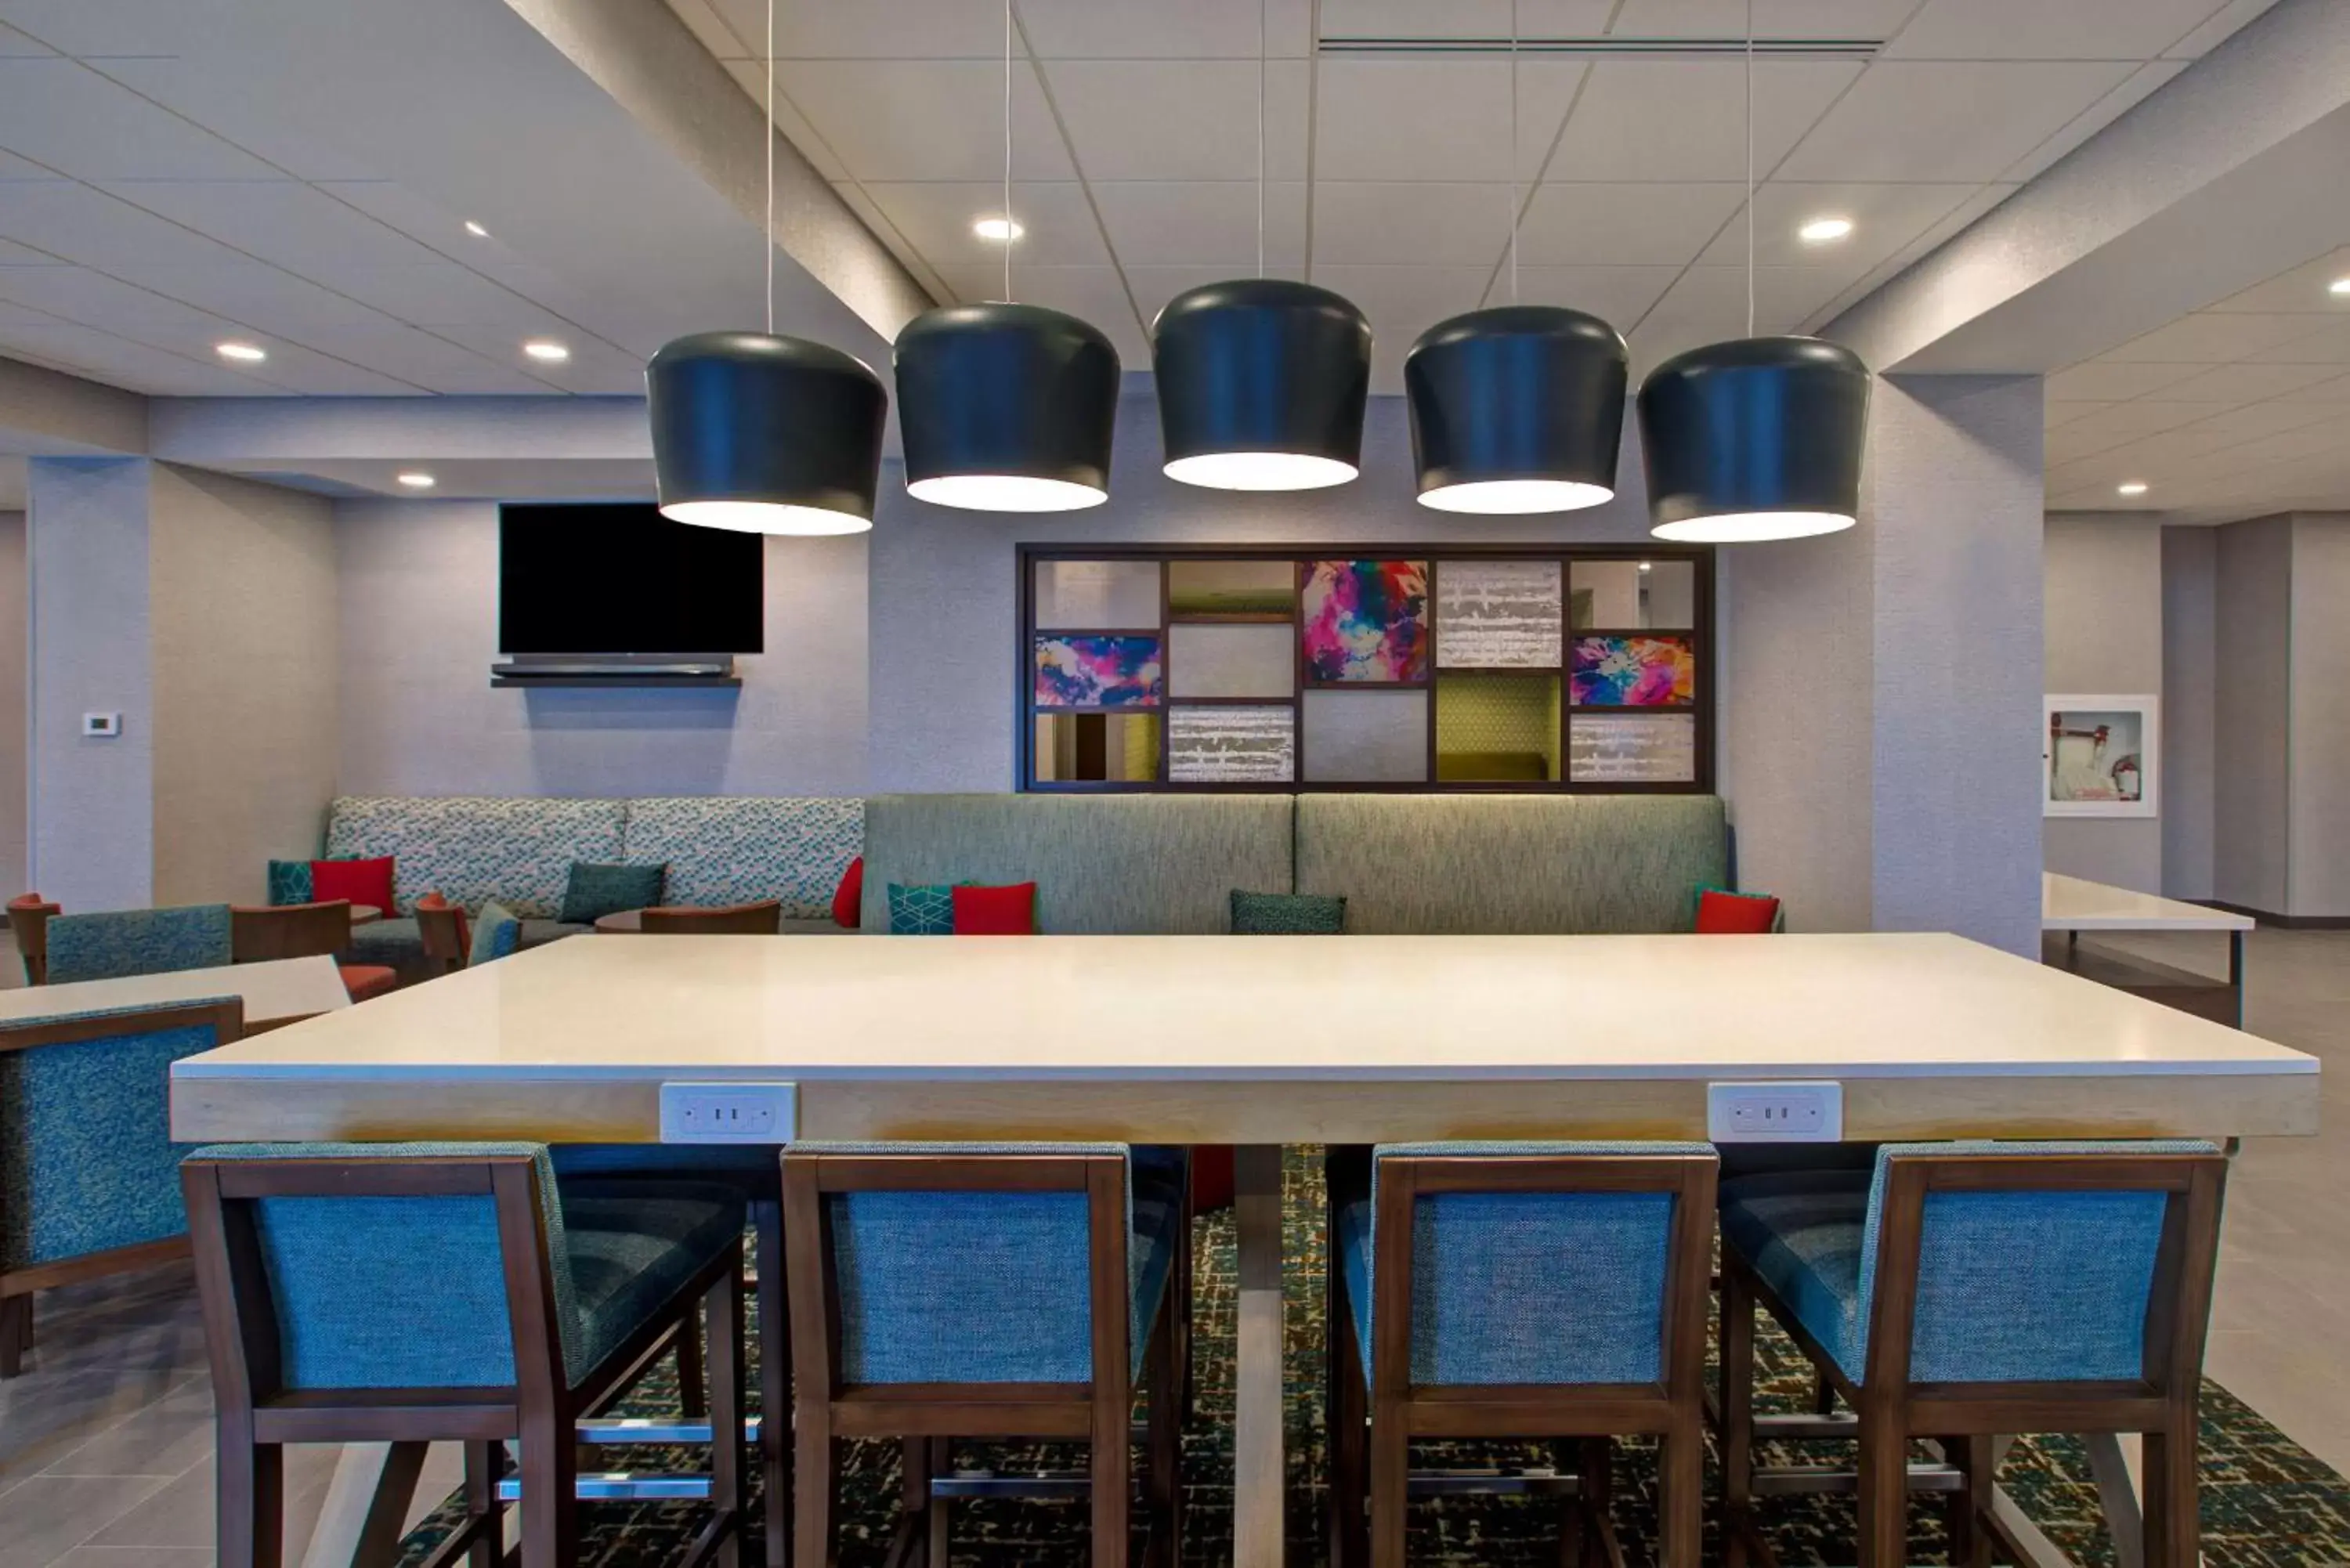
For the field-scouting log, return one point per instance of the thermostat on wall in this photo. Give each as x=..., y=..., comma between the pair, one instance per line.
x=107, y=724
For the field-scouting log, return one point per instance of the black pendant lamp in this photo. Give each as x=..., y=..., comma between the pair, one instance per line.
x=1003, y=407
x=1756, y=439
x=1516, y=410
x=1760, y=438
x=764, y=434
x=1261, y=385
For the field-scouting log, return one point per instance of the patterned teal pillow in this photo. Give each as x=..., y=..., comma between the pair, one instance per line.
x=289, y=882
x=497, y=933
x=1287, y=915
x=921, y=911
x=596, y=891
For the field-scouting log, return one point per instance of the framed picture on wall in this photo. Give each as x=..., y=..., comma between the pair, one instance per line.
x=2100, y=755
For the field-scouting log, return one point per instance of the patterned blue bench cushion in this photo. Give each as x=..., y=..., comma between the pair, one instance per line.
x=986, y=1287
x=471, y=849
x=86, y=1161
x=2012, y=1287
x=724, y=850
x=407, y=1292
x=115, y=943
x=1542, y=1288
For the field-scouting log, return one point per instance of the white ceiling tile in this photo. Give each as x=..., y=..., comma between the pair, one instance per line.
x=1402, y=301
x=869, y=30
x=442, y=294
x=225, y=106
x=81, y=294
x=1884, y=219
x=14, y=43
x=1170, y=120
x=2128, y=422
x=1463, y=18
x=2136, y=89
x=254, y=291
x=109, y=356
x=1609, y=224
x=2250, y=383
x=1155, y=286
x=1686, y=119
x=15, y=168
x=1618, y=296
x=2304, y=289
x=59, y=112
x=1202, y=222
x=2114, y=380
x=790, y=124
x=2333, y=390
x=1951, y=224
x=1452, y=225
x=86, y=224
x=1772, y=18
x=1708, y=305
x=936, y=221
x=420, y=358
x=2215, y=32
x=2046, y=29
x=15, y=254
x=2315, y=344
x=926, y=120
x=1948, y=120
x=297, y=226
x=2211, y=339
x=1418, y=118
x=2060, y=412
x=1196, y=29
x=1091, y=294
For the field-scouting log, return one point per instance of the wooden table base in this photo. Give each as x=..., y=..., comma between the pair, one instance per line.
x=1258, y=1462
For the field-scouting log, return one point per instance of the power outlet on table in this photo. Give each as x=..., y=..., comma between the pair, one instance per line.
x=1774, y=1112
x=729, y=1113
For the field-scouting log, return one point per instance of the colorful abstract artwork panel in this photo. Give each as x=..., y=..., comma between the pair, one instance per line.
x=1365, y=621
x=1099, y=672
x=1632, y=671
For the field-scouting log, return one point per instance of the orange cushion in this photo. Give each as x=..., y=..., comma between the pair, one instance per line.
x=1720, y=914
x=366, y=980
x=360, y=881
x=1008, y=911
x=848, y=898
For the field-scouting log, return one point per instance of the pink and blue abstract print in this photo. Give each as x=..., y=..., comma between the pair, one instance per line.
x=1365, y=621
x=1632, y=671
x=1099, y=672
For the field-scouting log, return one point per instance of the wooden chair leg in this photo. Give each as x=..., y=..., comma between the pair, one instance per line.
x=2172, y=1496
x=249, y=1483
x=691, y=1400
x=815, y=1491
x=1165, y=1471
x=1681, y=1494
x=1970, y=1538
x=723, y=1316
x=1390, y=1467
x=484, y=1465
x=1884, y=1534
x=550, y=1485
x=941, y=1532
x=914, y=1502
x=16, y=1333
x=775, y=1381
x=1110, y=1472
x=1737, y=1411
x=1596, y=1463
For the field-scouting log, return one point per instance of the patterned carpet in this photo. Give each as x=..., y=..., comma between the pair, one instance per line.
x=2266, y=1503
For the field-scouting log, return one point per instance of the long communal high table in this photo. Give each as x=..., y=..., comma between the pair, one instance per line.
x=1259, y=1042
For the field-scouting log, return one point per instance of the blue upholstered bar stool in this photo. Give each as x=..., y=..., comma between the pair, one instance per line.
x=1517, y=1289
x=453, y=1292
x=1961, y=1292
x=114, y=943
x=979, y=1290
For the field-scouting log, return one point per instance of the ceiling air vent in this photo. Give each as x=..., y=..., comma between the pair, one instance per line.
x=1616, y=49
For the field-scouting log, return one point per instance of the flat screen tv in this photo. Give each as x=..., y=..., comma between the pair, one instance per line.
x=611, y=579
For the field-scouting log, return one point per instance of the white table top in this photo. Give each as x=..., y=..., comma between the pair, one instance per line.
x=1358, y=1009
x=2071, y=904
x=280, y=988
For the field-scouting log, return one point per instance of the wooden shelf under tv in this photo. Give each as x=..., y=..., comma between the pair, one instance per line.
x=646, y=683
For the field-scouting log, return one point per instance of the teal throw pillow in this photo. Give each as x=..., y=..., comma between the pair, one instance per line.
x=596, y=891
x=289, y=882
x=1287, y=915
x=497, y=933
x=921, y=911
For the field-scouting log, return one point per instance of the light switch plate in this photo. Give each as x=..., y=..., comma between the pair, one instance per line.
x=105, y=726
x=729, y=1113
x=1792, y=1112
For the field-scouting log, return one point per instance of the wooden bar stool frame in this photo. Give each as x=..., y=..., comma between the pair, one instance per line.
x=1966, y=1419
x=256, y=1414
x=828, y=1410
x=1371, y=1475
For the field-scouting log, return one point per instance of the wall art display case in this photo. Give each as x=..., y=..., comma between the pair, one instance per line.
x=1555, y=667
x=2099, y=755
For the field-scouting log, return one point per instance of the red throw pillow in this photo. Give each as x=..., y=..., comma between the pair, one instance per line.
x=1720, y=914
x=848, y=898
x=360, y=881
x=1009, y=911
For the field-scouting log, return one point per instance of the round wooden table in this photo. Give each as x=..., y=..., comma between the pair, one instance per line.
x=365, y=914
x=623, y=922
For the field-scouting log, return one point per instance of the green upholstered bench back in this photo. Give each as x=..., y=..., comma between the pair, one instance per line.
x=1134, y=863
x=1499, y=864
x=743, y=849
x=472, y=848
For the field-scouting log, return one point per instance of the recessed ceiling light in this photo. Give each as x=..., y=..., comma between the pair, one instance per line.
x=417, y=480
x=2339, y=286
x=1646, y=567
x=546, y=349
x=2130, y=487
x=1004, y=230
x=244, y=353
x=476, y=230
x=1820, y=230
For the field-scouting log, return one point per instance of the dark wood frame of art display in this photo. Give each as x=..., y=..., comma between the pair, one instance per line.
x=1699, y=635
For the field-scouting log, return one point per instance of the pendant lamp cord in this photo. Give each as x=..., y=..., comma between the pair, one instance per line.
x=1007, y=152
x=1750, y=167
x=1514, y=151
x=1260, y=137
x=770, y=235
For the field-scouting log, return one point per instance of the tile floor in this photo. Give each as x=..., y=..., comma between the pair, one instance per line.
x=106, y=1443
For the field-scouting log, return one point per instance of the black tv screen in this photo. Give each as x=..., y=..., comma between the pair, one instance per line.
x=625, y=579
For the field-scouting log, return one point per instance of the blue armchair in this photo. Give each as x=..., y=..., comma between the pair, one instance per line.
x=111, y=944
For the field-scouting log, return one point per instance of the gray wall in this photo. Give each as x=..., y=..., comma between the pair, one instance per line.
x=2190, y=567
x=2319, y=803
x=419, y=586
x=92, y=816
x=15, y=651
x=242, y=621
x=2252, y=717
x=2103, y=634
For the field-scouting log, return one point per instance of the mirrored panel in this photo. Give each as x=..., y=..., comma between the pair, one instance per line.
x=1097, y=595
x=1365, y=737
x=1239, y=660
x=1097, y=748
x=1253, y=590
x=1633, y=596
